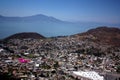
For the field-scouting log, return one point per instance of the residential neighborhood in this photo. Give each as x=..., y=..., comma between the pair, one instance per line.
x=59, y=58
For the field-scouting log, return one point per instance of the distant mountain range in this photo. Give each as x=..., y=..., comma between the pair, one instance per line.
x=45, y=25
x=39, y=17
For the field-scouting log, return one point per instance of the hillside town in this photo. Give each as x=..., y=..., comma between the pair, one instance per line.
x=59, y=58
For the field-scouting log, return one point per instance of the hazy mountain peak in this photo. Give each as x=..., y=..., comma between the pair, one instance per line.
x=38, y=17
x=1, y=16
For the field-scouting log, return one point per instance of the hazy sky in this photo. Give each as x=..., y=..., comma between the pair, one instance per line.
x=107, y=11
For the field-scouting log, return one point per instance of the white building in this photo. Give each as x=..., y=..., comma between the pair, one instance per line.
x=1, y=50
x=92, y=75
x=26, y=53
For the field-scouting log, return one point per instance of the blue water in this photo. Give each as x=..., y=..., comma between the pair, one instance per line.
x=47, y=29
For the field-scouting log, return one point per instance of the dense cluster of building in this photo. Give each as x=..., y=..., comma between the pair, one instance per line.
x=58, y=58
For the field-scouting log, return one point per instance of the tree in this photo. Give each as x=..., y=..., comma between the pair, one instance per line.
x=56, y=65
x=118, y=69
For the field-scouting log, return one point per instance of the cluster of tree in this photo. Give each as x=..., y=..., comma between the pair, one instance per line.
x=7, y=76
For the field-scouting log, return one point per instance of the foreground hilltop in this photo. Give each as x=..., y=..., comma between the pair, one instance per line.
x=104, y=35
x=25, y=35
x=100, y=35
